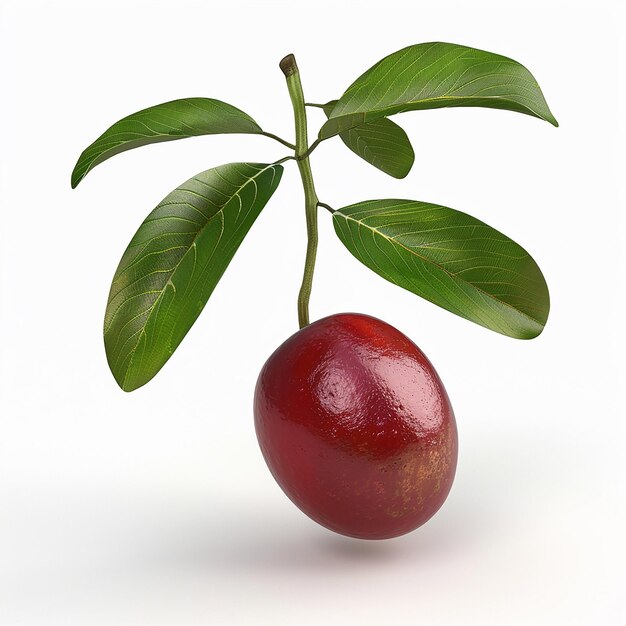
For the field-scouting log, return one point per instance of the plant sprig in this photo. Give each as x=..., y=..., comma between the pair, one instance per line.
x=181, y=250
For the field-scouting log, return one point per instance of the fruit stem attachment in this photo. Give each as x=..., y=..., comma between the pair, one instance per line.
x=290, y=70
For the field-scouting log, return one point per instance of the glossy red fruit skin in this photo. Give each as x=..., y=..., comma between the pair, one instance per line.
x=356, y=427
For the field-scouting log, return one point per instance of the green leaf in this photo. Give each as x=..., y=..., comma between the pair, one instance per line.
x=451, y=259
x=435, y=75
x=382, y=143
x=178, y=119
x=174, y=262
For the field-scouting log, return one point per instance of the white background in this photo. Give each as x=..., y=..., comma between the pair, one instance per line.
x=156, y=507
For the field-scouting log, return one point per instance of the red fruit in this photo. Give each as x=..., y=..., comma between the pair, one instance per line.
x=356, y=427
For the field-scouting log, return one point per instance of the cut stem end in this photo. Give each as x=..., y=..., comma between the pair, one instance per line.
x=288, y=65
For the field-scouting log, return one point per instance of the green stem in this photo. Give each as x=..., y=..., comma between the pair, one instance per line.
x=290, y=69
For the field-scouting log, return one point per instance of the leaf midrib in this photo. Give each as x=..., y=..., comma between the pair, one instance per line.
x=380, y=112
x=175, y=268
x=438, y=266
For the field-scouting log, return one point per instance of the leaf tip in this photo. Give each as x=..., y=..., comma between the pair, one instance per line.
x=536, y=326
x=76, y=176
x=405, y=172
x=531, y=334
x=125, y=383
x=551, y=119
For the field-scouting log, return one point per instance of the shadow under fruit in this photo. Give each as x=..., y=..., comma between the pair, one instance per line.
x=356, y=427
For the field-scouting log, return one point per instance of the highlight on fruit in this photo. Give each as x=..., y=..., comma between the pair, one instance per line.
x=352, y=419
